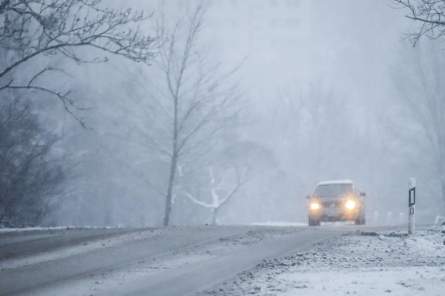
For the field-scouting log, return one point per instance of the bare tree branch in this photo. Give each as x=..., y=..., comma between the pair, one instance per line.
x=429, y=13
x=193, y=95
x=31, y=29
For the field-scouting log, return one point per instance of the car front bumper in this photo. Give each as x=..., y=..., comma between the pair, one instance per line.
x=334, y=215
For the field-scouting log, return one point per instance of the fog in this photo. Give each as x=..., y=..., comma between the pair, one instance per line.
x=286, y=94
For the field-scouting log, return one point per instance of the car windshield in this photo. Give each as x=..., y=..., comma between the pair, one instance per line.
x=333, y=190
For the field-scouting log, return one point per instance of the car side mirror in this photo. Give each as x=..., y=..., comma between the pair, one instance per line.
x=308, y=197
x=362, y=194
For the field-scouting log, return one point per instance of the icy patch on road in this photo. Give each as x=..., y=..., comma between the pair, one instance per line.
x=364, y=263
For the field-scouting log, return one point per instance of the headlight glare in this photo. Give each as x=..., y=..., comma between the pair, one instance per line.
x=315, y=206
x=350, y=204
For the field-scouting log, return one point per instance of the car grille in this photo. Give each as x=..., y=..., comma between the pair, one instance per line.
x=329, y=204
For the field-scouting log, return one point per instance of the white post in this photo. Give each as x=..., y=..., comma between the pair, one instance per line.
x=412, y=206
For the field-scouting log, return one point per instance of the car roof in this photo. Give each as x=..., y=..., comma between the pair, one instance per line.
x=336, y=182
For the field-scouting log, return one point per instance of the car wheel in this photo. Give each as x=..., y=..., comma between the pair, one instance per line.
x=314, y=222
x=360, y=220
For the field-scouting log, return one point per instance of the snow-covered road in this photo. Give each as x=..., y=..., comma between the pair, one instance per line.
x=170, y=261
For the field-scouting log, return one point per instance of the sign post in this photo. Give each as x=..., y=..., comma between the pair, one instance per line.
x=412, y=206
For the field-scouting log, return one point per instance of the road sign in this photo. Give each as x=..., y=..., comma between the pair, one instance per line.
x=412, y=206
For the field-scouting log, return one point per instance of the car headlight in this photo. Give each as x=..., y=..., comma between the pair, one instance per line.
x=315, y=206
x=350, y=204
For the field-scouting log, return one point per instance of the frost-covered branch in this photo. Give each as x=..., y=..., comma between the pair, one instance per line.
x=219, y=190
x=201, y=203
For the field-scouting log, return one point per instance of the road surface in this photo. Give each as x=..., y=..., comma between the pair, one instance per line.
x=169, y=261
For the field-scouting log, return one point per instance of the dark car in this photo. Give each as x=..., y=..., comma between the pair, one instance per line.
x=336, y=201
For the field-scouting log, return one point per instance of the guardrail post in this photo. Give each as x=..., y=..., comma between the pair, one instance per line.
x=412, y=206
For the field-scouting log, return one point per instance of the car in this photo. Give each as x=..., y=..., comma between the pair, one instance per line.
x=336, y=201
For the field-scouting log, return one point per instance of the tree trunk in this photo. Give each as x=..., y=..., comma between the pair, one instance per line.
x=171, y=181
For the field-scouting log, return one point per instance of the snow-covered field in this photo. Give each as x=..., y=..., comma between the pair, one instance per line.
x=365, y=263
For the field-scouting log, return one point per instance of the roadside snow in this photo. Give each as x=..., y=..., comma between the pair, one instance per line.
x=365, y=263
x=372, y=281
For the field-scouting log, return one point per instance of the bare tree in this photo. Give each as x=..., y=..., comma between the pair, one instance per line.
x=429, y=13
x=29, y=175
x=218, y=189
x=189, y=99
x=30, y=29
x=238, y=164
x=419, y=81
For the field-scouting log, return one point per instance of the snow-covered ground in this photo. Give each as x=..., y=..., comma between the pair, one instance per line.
x=321, y=261
x=365, y=263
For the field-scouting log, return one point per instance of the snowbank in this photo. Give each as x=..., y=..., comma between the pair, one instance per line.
x=365, y=263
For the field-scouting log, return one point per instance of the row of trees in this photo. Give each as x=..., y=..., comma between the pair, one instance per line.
x=35, y=36
x=320, y=134
x=421, y=86
x=29, y=176
x=169, y=137
x=182, y=106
